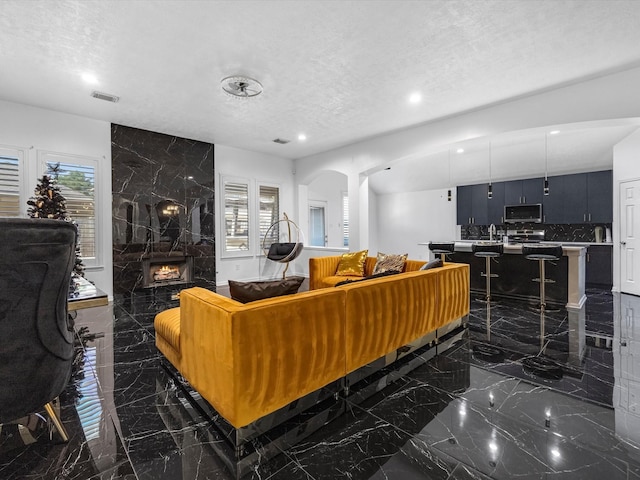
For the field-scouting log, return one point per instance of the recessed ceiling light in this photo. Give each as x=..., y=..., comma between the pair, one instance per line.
x=415, y=97
x=90, y=78
x=554, y=132
x=302, y=137
x=460, y=150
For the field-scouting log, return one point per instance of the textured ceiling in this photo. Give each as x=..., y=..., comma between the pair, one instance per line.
x=338, y=71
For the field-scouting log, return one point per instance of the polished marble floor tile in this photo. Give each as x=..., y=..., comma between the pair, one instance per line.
x=460, y=415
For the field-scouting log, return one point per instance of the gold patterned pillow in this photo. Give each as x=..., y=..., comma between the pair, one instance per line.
x=389, y=263
x=352, y=264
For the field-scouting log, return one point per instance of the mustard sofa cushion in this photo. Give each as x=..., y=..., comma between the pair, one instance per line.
x=386, y=262
x=168, y=327
x=364, y=279
x=352, y=264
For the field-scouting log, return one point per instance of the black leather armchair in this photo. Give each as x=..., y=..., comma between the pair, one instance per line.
x=36, y=339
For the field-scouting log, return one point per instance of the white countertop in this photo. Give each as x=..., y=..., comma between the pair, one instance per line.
x=568, y=248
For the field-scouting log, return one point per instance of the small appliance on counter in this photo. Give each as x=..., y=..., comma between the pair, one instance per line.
x=598, y=233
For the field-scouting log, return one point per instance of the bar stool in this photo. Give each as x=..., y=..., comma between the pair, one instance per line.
x=442, y=249
x=488, y=251
x=542, y=253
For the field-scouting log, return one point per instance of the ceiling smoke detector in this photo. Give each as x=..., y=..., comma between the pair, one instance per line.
x=241, y=87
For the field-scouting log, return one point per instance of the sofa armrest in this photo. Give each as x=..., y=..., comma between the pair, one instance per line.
x=249, y=360
x=320, y=267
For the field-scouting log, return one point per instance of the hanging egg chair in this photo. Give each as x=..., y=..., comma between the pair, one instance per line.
x=283, y=251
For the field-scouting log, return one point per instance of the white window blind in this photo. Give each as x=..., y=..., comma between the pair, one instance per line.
x=236, y=217
x=345, y=219
x=77, y=186
x=269, y=213
x=9, y=187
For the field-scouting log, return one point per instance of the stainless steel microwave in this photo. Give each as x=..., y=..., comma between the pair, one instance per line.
x=531, y=213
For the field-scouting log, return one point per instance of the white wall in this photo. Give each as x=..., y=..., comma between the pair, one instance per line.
x=255, y=167
x=405, y=219
x=626, y=166
x=607, y=97
x=36, y=130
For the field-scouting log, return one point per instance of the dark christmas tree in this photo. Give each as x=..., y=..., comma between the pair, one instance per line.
x=48, y=202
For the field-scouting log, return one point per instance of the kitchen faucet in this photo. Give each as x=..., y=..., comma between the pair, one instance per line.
x=492, y=232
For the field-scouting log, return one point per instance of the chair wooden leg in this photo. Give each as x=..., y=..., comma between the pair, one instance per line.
x=56, y=422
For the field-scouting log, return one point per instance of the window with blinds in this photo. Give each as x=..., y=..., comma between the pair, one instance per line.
x=77, y=186
x=269, y=214
x=236, y=217
x=9, y=186
x=345, y=219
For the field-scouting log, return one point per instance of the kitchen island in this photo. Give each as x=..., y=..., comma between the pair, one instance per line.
x=516, y=274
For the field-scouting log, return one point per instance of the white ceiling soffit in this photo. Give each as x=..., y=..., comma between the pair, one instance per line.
x=337, y=71
x=509, y=156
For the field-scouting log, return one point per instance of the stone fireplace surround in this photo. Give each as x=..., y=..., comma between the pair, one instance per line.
x=163, y=209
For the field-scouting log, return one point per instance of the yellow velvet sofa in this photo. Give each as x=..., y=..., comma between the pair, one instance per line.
x=249, y=360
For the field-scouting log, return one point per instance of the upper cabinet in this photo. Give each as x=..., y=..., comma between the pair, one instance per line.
x=572, y=199
x=529, y=191
x=472, y=205
x=580, y=198
x=600, y=197
x=495, y=204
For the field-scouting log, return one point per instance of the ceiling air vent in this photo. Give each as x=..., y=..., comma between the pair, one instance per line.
x=281, y=141
x=105, y=96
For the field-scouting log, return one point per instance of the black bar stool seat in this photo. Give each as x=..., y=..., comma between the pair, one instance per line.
x=488, y=251
x=442, y=248
x=542, y=254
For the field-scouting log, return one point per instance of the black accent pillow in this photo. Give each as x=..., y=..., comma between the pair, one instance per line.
x=370, y=277
x=246, y=292
x=432, y=264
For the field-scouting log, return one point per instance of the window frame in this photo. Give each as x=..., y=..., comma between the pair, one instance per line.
x=46, y=157
x=224, y=253
x=345, y=219
x=23, y=187
x=258, y=233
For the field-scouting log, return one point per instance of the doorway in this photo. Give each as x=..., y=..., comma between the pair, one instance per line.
x=317, y=224
x=629, y=219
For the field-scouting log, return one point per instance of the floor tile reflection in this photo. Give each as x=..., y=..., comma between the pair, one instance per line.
x=462, y=415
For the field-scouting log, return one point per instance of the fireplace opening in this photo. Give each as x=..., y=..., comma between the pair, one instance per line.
x=161, y=271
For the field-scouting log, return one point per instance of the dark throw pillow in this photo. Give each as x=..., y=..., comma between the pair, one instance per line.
x=432, y=264
x=370, y=277
x=246, y=292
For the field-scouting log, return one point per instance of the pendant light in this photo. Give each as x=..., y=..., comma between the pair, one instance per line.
x=449, y=191
x=490, y=189
x=545, y=188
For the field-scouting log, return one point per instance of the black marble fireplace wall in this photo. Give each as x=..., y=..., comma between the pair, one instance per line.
x=163, y=205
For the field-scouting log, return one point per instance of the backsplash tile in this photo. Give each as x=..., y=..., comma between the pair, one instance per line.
x=552, y=232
